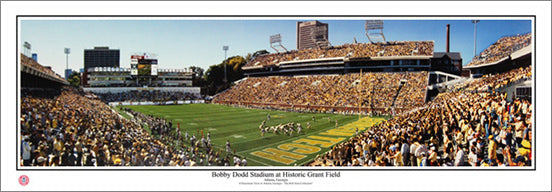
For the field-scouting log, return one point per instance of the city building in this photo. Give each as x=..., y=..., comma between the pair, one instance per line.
x=312, y=34
x=101, y=57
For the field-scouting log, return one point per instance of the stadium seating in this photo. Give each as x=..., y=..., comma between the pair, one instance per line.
x=395, y=48
x=469, y=124
x=462, y=127
x=501, y=49
x=69, y=129
x=30, y=66
x=497, y=81
x=368, y=91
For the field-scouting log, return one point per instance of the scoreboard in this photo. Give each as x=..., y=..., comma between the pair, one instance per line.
x=143, y=65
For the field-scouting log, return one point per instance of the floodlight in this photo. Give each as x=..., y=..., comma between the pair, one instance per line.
x=374, y=30
x=276, y=39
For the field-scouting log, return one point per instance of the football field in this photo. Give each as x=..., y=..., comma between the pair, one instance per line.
x=241, y=127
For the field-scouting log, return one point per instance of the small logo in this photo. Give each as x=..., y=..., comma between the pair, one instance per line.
x=23, y=180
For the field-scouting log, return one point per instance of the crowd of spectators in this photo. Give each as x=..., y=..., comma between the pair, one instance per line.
x=141, y=96
x=68, y=129
x=204, y=153
x=471, y=125
x=501, y=49
x=490, y=81
x=377, y=90
x=462, y=127
x=394, y=48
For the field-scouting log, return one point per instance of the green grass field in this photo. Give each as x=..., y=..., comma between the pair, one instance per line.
x=241, y=127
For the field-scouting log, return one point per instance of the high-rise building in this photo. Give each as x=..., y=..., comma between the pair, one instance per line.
x=312, y=34
x=101, y=57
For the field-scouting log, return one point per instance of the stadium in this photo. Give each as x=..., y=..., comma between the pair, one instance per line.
x=375, y=104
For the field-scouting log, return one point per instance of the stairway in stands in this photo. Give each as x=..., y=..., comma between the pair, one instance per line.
x=401, y=84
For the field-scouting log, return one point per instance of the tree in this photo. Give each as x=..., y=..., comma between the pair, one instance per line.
x=257, y=53
x=198, y=80
x=236, y=63
x=74, y=79
x=197, y=70
x=214, y=76
x=260, y=52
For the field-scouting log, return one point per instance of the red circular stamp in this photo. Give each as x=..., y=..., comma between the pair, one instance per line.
x=23, y=180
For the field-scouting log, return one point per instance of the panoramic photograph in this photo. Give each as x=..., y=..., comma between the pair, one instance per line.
x=381, y=93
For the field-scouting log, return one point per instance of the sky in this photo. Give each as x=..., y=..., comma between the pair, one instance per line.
x=182, y=43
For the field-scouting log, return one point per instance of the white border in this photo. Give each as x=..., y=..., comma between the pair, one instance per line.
x=350, y=180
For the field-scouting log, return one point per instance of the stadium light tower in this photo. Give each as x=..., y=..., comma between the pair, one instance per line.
x=276, y=39
x=67, y=70
x=67, y=51
x=225, y=49
x=374, y=30
x=475, y=37
x=26, y=48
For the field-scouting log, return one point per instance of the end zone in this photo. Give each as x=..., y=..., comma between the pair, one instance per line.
x=296, y=150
